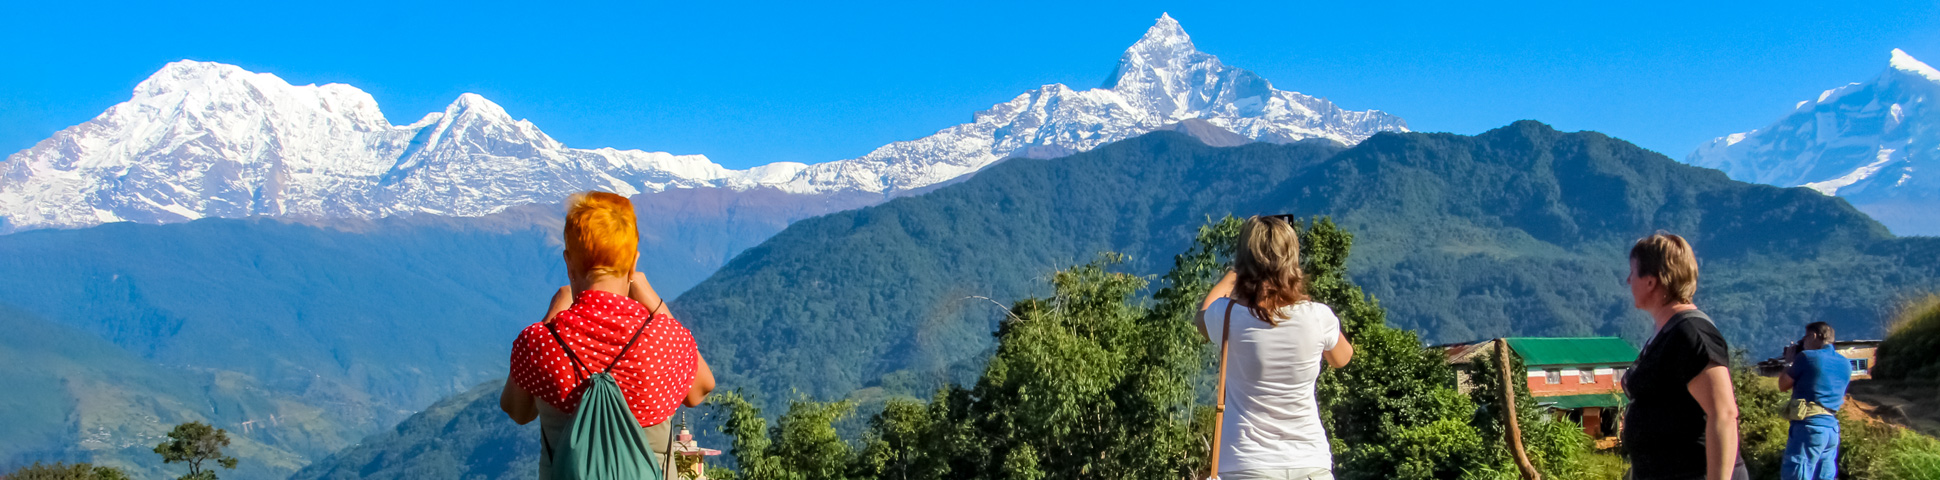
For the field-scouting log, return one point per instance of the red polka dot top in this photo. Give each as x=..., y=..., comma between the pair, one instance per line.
x=655, y=375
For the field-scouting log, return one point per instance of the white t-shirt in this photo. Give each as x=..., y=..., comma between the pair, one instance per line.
x=1272, y=418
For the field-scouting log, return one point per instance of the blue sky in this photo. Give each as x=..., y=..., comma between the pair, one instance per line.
x=751, y=83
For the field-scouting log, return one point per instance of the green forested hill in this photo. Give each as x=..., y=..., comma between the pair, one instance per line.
x=1521, y=230
x=74, y=397
x=834, y=302
x=463, y=436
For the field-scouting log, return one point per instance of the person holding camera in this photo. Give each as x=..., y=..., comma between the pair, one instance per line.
x=1817, y=377
x=609, y=320
x=1272, y=339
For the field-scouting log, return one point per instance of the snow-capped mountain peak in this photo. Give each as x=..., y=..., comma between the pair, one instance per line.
x=1876, y=144
x=200, y=139
x=1166, y=40
x=1161, y=80
x=1906, y=63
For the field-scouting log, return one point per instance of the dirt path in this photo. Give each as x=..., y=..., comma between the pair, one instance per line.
x=1913, y=405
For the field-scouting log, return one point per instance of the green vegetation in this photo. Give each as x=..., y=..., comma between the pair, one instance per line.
x=1911, y=350
x=1558, y=448
x=1886, y=452
x=84, y=399
x=1518, y=231
x=465, y=436
x=1092, y=382
x=193, y=443
x=1867, y=449
x=64, y=471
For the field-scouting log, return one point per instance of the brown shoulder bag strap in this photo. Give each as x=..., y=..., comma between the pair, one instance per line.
x=1219, y=391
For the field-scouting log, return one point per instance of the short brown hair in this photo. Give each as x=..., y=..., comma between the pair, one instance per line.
x=1822, y=329
x=1667, y=258
x=1267, y=264
x=601, y=231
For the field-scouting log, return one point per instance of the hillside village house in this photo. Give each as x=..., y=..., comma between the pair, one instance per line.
x=1576, y=378
x=1859, y=353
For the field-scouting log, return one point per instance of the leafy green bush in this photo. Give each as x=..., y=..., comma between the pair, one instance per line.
x=1761, y=431
x=65, y=471
x=1093, y=383
x=1558, y=448
x=1886, y=452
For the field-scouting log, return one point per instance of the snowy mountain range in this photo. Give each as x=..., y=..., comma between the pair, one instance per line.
x=1876, y=144
x=203, y=139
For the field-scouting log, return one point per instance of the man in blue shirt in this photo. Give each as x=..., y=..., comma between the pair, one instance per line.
x=1818, y=374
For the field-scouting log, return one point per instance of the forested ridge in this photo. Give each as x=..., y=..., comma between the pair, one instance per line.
x=1518, y=231
x=1521, y=230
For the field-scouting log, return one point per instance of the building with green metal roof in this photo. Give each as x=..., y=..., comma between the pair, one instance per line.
x=1577, y=377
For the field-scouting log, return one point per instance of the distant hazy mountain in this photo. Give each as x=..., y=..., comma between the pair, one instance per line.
x=1876, y=144
x=205, y=139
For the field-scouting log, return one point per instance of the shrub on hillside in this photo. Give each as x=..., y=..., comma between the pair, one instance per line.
x=1911, y=350
x=65, y=471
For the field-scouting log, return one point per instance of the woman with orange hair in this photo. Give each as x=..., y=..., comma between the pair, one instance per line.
x=607, y=306
x=1273, y=343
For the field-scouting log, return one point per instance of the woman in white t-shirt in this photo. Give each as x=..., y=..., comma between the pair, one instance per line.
x=1279, y=336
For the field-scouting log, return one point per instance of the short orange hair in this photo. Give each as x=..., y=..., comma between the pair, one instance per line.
x=601, y=234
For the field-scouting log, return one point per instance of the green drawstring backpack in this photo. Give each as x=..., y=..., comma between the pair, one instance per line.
x=605, y=440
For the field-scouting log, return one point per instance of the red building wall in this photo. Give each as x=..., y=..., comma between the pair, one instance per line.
x=1571, y=382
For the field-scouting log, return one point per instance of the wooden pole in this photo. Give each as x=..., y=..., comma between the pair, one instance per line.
x=1514, y=432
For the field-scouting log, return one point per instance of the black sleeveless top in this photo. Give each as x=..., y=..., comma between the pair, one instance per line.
x=1663, y=427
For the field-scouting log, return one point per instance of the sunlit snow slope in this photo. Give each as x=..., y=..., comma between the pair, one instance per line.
x=1876, y=144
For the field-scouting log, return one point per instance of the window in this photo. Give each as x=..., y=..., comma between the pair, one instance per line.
x=1859, y=365
x=1586, y=376
x=1616, y=375
x=1552, y=376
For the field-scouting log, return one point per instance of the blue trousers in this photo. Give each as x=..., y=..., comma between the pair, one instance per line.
x=1811, y=452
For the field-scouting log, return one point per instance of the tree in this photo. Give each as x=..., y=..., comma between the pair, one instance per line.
x=1394, y=412
x=194, y=443
x=1093, y=382
x=64, y=471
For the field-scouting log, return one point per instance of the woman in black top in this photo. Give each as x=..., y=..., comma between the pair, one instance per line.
x=1682, y=422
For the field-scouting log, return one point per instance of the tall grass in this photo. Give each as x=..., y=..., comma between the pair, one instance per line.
x=1886, y=452
x=1911, y=350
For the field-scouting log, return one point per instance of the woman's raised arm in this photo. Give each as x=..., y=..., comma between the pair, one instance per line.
x=561, y=300
x=517, y=403
x=1219, y=290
